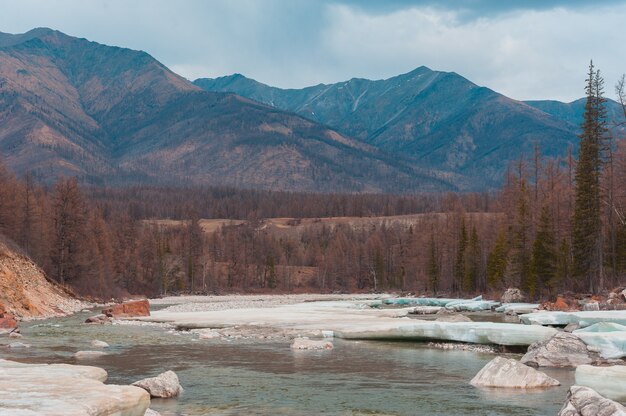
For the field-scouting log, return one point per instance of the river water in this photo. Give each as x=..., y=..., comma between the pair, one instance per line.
x=267, y=378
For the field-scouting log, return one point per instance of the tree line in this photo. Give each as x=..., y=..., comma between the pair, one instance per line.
x=556, y=224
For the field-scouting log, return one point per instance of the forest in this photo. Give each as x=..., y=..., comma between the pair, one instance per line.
x=555, y=225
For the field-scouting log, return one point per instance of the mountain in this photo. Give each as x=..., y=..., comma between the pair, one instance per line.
x=112, y=115
x=438, y=119
x=573, y=112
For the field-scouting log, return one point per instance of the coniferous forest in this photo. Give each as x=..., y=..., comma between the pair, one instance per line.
x=555, y=225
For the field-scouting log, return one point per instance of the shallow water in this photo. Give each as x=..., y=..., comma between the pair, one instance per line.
x=245, y=377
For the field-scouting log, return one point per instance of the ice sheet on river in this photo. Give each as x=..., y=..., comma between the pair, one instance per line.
x=470, y=305
x=583, y=319
x=608, y=381
x=62, y=389
x=609, y=339
x=518, y=308
x=356, y=323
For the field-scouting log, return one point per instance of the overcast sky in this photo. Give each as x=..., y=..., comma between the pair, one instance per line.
x=532, y=49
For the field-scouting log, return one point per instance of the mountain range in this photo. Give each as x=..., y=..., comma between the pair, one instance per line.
x=439, y=119
x=111, y=115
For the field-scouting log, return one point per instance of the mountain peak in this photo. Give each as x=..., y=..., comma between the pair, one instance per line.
x=10, y=39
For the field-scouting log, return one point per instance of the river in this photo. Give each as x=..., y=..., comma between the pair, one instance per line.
x=223, y=377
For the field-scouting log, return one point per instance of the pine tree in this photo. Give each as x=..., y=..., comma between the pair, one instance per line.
x=563, y=266
x=497, y=262
x=544, y=256
x=472, y=266
x=587, y=225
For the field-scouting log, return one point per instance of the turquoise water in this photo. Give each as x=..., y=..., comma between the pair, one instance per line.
x=245, y=377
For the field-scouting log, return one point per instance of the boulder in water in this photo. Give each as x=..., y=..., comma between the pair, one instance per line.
x=129, y=309
x=68, y=390
x=18, y=345
x=99, y=344
x=509, y=373
x=7, y=321
x=583, y=401
x=164, y=385
x=561, y=350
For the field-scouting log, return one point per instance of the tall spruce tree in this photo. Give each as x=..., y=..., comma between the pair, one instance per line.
x=472, y=263
x=544, y=255
x=587, y=225
x=497, y=262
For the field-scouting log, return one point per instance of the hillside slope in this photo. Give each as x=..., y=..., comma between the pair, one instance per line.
x=69, y=106
x=24, y=290
x=439, y=119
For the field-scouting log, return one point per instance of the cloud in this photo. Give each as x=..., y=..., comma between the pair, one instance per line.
x=526, y=55
x=525, y=49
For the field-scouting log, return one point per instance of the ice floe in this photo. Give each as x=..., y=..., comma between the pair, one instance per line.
x=608, y=381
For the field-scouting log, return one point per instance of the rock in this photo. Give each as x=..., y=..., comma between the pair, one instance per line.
x=509, y=373
x=164, y=385
x=7, y=321
x=98, y=319
x=512, y=295
x=571, y=327
x=17, y=345
x=591, y=306
x=562, y=350
x=609, y=339
x=445, y=311
x=486, y=349
x=68, y=390
x=560, y=304
x=623, y=294
x=608, y=381
x=99, y=344
x=426, y=310
x=15, y=334
x=88, y=355
x=583, y=401
x=310, y=344
x=456, y=317
x=129, y=309
x=151, y=412
x=207, y=333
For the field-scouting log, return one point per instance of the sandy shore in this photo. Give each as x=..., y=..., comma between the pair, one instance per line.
x=228, y=302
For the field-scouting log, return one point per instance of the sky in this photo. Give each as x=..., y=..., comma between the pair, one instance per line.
x=532, y=49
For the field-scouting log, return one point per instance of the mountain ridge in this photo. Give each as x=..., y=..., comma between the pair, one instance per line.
x=440, y=120
x=114, y=115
